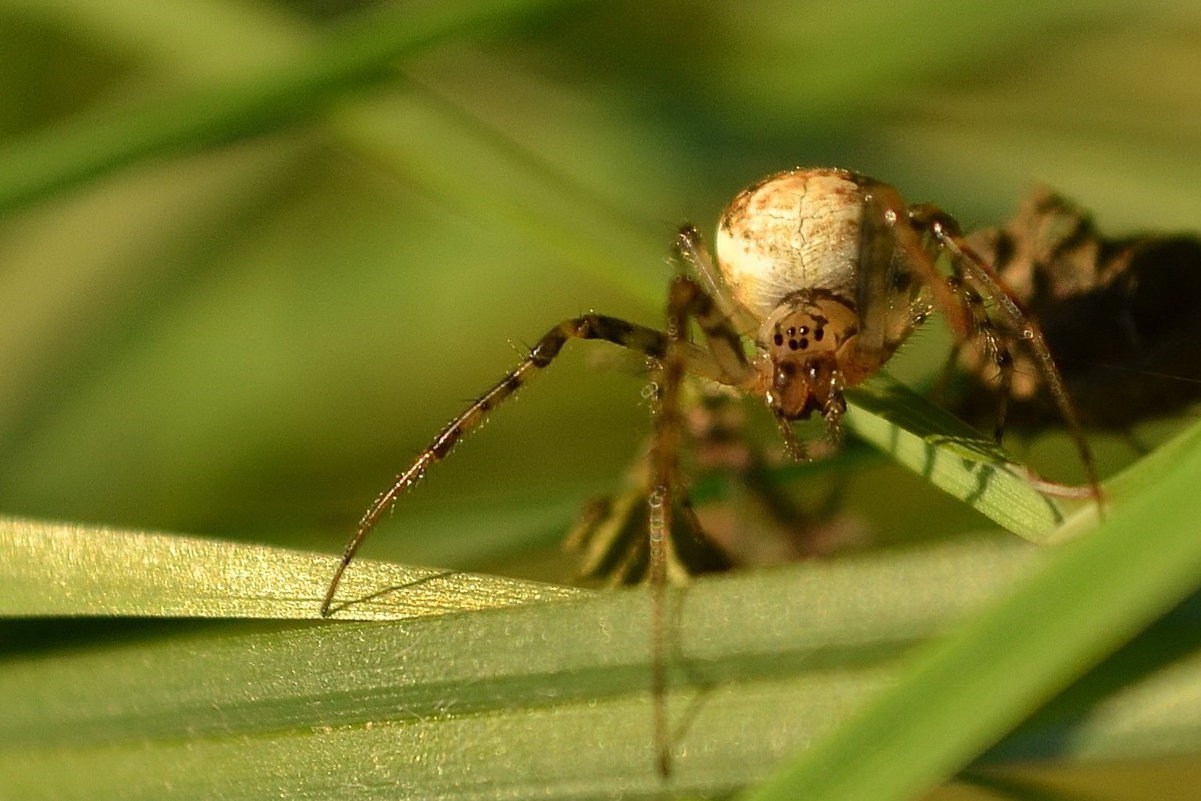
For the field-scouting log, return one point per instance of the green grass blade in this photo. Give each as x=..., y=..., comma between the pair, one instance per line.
x=354, y=55
x=447, y=706
x=952, y=456
x=67, y=570
x=961, y=695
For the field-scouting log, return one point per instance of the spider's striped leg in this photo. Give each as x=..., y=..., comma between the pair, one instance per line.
x=589, y=326
x=1012, y=318
x=687, y=301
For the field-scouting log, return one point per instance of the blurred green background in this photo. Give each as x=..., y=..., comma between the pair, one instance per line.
x=242, y=323
x=245, y=331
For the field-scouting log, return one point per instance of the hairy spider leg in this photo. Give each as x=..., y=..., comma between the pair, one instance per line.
x=883, y=275
x=980, y=325
x=975, y=271
x=686, y=301
x=647, y=341
x=887, y=220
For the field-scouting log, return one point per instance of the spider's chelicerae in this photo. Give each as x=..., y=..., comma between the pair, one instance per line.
x=824, y=273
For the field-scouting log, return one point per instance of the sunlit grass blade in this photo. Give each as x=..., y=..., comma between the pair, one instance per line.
x=448, y=706
x=67, y=570
x=953, y=456
x=962, y=694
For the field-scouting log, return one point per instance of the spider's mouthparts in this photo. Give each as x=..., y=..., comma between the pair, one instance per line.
x=802, y=385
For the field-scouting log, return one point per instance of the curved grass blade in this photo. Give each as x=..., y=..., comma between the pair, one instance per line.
x=952, y=456
x=962, y=694
x=69, y=570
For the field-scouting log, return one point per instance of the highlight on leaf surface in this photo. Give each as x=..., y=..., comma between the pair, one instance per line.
x=69, y=570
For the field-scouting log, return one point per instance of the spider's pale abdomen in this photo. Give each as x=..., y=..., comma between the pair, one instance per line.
x=791, y=231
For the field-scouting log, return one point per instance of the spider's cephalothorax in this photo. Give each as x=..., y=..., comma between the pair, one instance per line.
x=809, y=340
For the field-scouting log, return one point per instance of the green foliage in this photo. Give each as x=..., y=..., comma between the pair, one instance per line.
x=255, y=254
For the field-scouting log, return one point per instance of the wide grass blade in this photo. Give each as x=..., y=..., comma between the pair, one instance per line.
x=960, y=695
x=547, y=699
x=447, y=706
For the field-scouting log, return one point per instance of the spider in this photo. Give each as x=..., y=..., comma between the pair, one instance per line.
x=819, y=276
x=826, y=272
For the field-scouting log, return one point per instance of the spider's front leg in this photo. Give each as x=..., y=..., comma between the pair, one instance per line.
x=648, y=341
x=686, y=302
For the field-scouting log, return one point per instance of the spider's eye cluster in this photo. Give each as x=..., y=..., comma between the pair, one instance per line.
x=809, y=324
x=799, y=337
